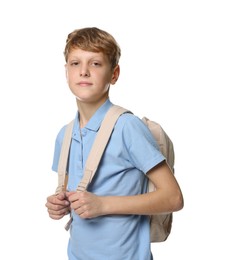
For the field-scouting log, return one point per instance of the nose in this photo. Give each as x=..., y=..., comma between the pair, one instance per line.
x=84, y=72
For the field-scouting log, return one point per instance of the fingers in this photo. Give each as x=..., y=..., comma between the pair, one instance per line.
x=61, y=196
x=58, y=214
x=84, y=204
x=57, y=205
x=69, y=194
x=77, y=201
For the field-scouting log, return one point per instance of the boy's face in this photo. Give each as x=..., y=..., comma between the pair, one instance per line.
x=89, y=75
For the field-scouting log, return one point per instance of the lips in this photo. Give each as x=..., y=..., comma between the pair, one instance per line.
x=84, y=83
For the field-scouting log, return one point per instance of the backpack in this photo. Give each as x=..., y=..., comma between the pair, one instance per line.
x=160, y=225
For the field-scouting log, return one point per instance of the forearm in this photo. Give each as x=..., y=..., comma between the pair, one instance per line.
x=145, y=204
x=166, y=198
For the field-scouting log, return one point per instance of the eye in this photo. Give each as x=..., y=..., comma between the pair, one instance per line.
x=96, y=64
x=74, y=63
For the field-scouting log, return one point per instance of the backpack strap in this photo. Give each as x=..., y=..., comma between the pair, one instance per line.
x=99, y=145
x=62, y=165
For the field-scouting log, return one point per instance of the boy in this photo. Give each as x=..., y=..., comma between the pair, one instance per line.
x=109, y=219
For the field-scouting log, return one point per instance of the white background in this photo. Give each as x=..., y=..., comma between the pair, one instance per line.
x=173, y=70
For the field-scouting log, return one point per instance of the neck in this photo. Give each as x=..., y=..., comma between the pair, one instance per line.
x=87, y=110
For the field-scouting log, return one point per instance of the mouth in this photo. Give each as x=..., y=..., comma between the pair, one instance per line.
x=84, y=83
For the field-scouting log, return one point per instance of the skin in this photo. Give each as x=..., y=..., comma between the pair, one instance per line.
x=89, y=76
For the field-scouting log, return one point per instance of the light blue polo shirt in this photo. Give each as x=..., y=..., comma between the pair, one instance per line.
x=129, y=155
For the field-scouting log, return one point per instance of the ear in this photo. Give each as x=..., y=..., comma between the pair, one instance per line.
x=115, y=75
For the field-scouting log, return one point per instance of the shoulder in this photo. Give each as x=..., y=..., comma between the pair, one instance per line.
x=132, y=123
x=60, y=134
x=66, y=131
x=129, y=120
x=134, y=130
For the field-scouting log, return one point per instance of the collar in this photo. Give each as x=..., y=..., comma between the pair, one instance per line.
x=95, y=121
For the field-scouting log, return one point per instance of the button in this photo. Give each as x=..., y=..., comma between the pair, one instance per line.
x=84, y=132
x=76, y=137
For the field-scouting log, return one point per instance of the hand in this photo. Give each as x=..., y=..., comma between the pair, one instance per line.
x=85, y=204
x=58, y=205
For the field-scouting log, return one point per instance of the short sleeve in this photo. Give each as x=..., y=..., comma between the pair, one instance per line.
x=141, y=144
x=57, y=148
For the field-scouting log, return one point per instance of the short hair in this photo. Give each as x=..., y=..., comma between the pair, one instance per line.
x=95, y=40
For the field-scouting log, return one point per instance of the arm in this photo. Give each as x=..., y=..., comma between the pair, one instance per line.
x=166, y=198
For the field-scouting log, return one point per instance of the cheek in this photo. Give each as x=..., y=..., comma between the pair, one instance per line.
x=70, y=77
x=106, y=77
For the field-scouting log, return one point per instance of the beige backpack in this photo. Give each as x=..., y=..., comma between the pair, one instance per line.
x=160, y=225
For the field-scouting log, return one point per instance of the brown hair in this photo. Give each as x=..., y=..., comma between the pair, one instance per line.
x=94, y=40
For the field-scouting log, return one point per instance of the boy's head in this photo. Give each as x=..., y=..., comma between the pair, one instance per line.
x=94, y=40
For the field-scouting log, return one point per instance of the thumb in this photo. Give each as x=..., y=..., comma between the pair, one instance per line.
x=69, y=193
x=61, y=195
